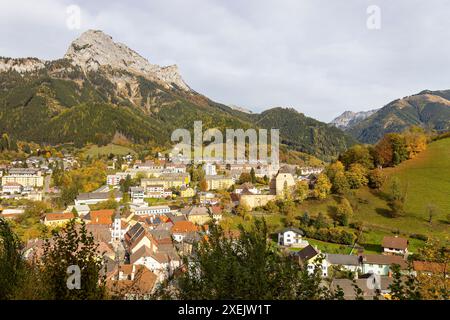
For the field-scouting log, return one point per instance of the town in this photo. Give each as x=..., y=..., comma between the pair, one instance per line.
x=150, y=213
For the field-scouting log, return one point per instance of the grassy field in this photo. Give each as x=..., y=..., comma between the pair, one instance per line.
x=427, y=181
x=94, y=150
x=156, y=201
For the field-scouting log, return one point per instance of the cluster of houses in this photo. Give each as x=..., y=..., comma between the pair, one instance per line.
x=137, y=244
x=22, y=183
x=365, y=268
x=25, y=179
x=144, y=244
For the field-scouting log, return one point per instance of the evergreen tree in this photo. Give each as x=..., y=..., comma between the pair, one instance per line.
x=73, y=246
x=253, y=175
x=248, y=267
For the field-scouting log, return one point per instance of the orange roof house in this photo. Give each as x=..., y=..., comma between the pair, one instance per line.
x=104, y=216
x=184, y=227
x=395, y=243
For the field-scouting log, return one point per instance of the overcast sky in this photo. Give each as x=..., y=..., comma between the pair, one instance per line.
x=314, y=55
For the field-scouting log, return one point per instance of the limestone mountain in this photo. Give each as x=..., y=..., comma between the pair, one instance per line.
x=94, y=50
x=101, y=88
x=349, y=119
x=428, y=109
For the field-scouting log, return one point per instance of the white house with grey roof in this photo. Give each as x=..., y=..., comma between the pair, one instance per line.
x=96, y=197
x=292, y=237
x=137, y=194
x=344, y=261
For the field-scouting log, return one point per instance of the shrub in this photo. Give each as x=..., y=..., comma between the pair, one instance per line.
x=419, y=236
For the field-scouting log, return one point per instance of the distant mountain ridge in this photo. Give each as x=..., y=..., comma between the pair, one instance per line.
x=427, y=109
x=349, y=118
x=102, y=88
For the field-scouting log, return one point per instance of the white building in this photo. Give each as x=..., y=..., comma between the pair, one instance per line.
x=81, y=209
x=143, y=210
x=395, y=245
x=119, y=228
x=114, y=179
x=313, y=259
x=306, y=171
x=12, y=188
x=96, y=197
x=162, y=264
x=210, y=169
x=157, y=191
x=344, y=261
x=381, y=264
x=175, y=168
x=137, y=194
x=24, y=176
x=247, y=186
x=292, y=237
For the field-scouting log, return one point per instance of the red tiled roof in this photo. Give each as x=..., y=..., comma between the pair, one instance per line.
x=216, y=210
x=395, y=243
x=101, y=216
x=184, y=227
x=59, y=216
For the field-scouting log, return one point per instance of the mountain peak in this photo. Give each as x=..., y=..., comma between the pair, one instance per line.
x=350, y=118
x=94, y=49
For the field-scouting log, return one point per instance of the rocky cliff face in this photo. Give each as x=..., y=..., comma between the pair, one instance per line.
x=22, y=65
x=94, y=49
x=350, y=118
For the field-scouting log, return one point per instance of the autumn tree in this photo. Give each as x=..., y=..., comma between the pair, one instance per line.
x=333, y=169
x=245, y=177
x=434, y=284
x=376, y=179
x=340, y=184
x=322, y=187
x=225, y=198
x=356, y=176
x=203, y=185
x=357, y=154
x=84, y=179
x=416, y=141
x=344, y=211
x=241, y=210
x=272, y=207
x=397, y=198
x=301, y=191
x=336, y=174
x=392, y=149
